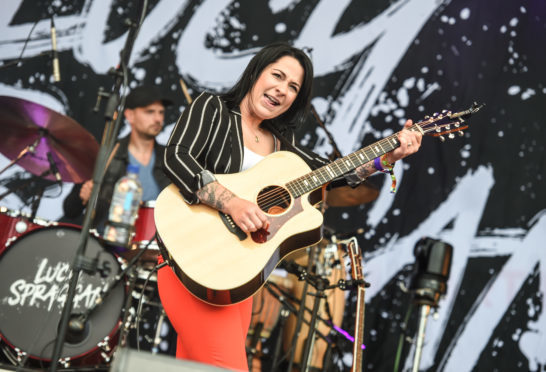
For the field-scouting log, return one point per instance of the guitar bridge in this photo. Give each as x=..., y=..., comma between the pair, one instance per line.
x=232, y=227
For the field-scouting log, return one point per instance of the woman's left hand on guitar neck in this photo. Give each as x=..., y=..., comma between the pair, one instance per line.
x=410, y=142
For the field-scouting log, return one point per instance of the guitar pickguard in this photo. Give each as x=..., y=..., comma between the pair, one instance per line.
x=276, y=222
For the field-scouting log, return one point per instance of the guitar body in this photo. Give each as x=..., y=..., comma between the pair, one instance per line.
x=223, y=267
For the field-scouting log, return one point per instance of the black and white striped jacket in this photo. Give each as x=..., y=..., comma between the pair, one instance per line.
x=208, y=135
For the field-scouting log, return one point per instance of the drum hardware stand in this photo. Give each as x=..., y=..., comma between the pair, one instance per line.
x=429, y=284
x=126, y=321
x=113, y=124
x=284, y=314
x=157, y=336
x=301, y=276
x=287, y=308
x=252, y=349
x=321, y=285
x=156, y=340
x=77, y=322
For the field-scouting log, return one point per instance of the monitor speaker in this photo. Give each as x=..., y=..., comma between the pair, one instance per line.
x=130, y=360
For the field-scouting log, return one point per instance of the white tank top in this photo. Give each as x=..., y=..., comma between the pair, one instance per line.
x=250, y=158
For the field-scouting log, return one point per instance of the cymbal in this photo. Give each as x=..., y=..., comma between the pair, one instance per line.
x=346, y=196
x=23, y=123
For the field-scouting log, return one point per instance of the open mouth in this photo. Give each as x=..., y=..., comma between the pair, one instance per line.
x=272, y=100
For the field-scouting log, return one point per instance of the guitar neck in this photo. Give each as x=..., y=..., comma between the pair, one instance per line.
x=359, y=331
x=315, y=179
x=356, y=272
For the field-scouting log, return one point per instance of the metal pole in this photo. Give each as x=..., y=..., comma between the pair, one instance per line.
x=423, y=315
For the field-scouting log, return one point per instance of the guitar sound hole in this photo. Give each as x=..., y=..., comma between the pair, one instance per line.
x=274, y=199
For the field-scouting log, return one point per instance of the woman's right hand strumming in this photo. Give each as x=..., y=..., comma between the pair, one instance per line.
x=247, y=215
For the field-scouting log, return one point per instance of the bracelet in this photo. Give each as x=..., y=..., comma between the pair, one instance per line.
x=385, y=162
x=379, y=162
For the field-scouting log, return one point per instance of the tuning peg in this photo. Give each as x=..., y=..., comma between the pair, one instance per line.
x=456, y=125
x=448, y=126
x=451, y=136
x=442, y=138
x=427, y=117
x=461, y=133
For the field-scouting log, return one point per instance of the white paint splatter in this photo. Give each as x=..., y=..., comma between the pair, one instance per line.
x=513, y=90
x=277, y=6
x=527, y=94
x=280, y=28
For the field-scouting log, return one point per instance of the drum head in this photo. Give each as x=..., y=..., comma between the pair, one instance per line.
x=34, y=272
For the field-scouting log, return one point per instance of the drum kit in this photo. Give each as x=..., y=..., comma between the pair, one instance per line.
x=36, y=254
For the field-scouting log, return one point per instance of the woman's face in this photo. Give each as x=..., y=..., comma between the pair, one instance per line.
x=275, y=90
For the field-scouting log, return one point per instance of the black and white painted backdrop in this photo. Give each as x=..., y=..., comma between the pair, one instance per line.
x=376, y=63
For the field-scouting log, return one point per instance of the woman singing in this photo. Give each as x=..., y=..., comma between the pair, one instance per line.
x=219, y=134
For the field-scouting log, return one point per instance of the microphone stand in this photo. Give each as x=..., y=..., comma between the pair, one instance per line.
x=78, y=320
x=113, y=123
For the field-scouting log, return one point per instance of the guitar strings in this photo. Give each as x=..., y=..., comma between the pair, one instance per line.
x=277, y=195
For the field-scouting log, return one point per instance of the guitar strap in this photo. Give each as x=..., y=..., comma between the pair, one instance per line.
x=236, y=137
x=314, y=164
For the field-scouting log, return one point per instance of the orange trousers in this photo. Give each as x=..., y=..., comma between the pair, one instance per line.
x=207, y=334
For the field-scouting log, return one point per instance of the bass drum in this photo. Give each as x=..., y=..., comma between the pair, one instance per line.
x=13, y=224
x=35, y=272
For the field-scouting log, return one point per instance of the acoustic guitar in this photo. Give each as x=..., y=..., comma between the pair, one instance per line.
x=219, y=263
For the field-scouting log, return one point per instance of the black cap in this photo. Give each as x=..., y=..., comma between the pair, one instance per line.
x=144, y=95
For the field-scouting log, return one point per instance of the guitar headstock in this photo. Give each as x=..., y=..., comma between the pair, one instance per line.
x=447, y=123
x=356, y=258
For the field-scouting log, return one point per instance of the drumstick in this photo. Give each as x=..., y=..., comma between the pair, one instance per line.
x=185, y=91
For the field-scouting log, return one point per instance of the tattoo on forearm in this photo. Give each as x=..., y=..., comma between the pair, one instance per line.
x=365, y=170
x=215, y=196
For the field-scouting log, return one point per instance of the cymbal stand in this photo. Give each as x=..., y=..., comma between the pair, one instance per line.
x=29, y=149
x=113, y=124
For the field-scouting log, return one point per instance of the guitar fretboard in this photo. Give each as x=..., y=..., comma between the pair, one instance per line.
x=327, y=173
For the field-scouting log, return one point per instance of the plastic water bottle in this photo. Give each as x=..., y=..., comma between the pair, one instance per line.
x=124, y=209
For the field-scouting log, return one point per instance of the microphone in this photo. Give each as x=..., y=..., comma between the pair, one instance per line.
x=54, y=54
x=53, y=167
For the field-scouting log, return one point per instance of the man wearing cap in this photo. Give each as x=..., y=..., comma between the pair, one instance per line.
x=145, y=113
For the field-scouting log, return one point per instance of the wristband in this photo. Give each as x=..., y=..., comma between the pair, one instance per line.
x=389, y=168
x=206, y=177
x=377, y=164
